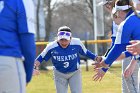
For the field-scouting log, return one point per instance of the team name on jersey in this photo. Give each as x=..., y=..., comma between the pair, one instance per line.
x=65, y=58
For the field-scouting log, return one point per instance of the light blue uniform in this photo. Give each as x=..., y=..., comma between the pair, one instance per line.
x=16, y=43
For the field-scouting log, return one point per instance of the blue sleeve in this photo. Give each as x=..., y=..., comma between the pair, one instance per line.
x=26, y=16
x=127, y=54
x=83, y=51
x=114, y=53
x=26, y=30
x=28, y=50
x=113, y=41
x=105, y=69
x=90, y=55
x=45, y=55
x=39, y=58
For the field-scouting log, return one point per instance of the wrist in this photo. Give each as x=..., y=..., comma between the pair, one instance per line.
x=104, y=65
x=36, y=67
x=98, y=58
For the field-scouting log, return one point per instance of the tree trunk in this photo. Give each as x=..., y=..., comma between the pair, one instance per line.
x=48, y=21
x=37, y=18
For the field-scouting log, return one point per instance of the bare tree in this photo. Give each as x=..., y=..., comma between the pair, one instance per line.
x=37, y=18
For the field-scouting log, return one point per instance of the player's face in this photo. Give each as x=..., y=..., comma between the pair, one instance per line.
x=118, y=17
x=64, y=43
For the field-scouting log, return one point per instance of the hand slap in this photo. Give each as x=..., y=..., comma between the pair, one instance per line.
x=100, y=65
x=99, y=75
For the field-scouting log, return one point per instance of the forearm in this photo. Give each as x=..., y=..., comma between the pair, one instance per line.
x=28, y=50
x=39, y=59
x=115, y=53
x=90, y=55
x=122, y=56
x=133, y=62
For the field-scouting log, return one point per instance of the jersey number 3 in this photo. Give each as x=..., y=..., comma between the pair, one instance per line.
x=66, y=64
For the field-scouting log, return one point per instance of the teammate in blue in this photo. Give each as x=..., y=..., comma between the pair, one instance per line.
x=129, y=84
x=128, y=30
x=17, y=45
x=65, y=55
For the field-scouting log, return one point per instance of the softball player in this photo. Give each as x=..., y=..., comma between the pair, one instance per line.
x=129, y=84
x=128, y=29
x=16, y=42
x=64, y=53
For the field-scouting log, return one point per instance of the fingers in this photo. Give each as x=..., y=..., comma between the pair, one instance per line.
x=127, y=74
x=132, y=51
x=99, y=75
x=37, y=63
x=36, y=72
x=129, y=71
x=96, y=78
x=133, y=41
x=99, y=59
x=96, y=65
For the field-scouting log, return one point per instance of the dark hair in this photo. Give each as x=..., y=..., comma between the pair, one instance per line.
x=64, y=28
x=127, y=2
x=122, y=3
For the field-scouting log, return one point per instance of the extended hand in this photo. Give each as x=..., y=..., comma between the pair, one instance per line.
x=101, y=64
x=130, y=69
x=134, y=48
x=99, y=75
x=36, y=72
x=36, y=68
x=98, y=59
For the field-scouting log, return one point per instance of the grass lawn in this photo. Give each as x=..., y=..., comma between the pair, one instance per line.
x=111, y=83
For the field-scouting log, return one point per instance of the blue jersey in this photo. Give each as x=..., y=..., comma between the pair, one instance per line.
x=65, y=59
x=114, y=32
x=17, y=31
x=128, y=30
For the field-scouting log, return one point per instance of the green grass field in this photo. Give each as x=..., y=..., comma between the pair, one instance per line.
x=111, y=83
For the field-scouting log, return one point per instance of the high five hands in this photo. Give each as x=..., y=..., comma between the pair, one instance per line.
x=36, y=68
x=98, y=65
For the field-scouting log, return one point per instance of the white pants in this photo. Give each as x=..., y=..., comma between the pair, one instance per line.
x=130, y=85
x=12, y=75
x=73, y=79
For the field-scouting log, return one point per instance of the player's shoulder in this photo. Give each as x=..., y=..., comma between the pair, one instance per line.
x=133, y=18
x=132, y=21
x=52, y=44
x=75, y=41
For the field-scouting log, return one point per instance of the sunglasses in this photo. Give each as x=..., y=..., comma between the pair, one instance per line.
x=61, y=33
